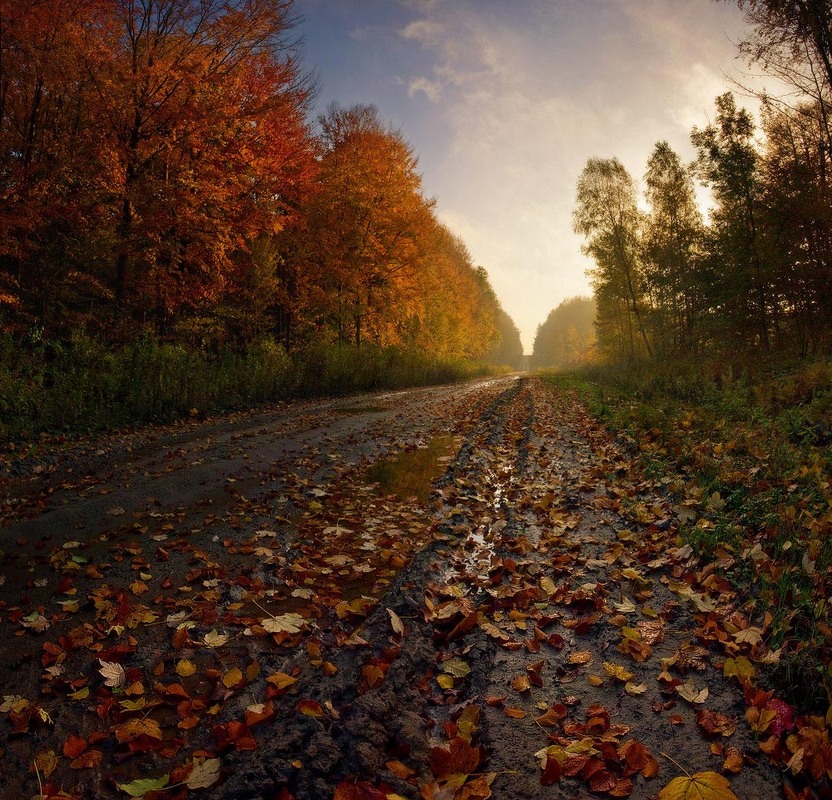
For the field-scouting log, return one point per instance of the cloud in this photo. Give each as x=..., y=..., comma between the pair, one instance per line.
x=528, y=92
x=433, y=89
x=427, y=32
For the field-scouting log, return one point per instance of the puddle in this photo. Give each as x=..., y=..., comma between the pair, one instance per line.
x=411, y=473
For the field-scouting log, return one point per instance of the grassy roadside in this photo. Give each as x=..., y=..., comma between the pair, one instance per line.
x=748, y=463
x=83, y=385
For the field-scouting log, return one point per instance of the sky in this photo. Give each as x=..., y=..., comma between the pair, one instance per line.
x=504, y=101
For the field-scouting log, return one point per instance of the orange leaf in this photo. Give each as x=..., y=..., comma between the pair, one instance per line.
x=74, y=746
x=87, y=760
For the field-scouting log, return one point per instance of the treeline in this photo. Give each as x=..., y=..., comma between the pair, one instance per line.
x=160, y=177
x=567, y=337
x=757, y=276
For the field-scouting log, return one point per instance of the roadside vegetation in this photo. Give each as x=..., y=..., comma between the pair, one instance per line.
x=65, y=387
x=746, y=459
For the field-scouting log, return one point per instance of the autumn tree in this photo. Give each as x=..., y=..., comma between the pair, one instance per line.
x=165, y=135
x=366, y=226
x=792, y=40
x=607, y=215
x=197, y=96
x=53, y=164
x=508, y=351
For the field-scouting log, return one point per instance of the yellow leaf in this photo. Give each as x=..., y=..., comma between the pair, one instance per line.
x=580, y=657
x=232, y=678
x=689, y=692
x=740, y=667
x=617, y=671
x=701, y=786
x=46, y=761
x=185, y=668
x=456, y=667
x=445, y=681
x=281, y=680
x=133, y=728
x=214, y=639
x=285, y=623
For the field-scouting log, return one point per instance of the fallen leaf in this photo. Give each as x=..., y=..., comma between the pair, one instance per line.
x=113, y=674
x=395, y=622
x=285, y=623
x=74, y=746
x=142, y=786
x=617, y=671
x=206, y=772
x=689, y=692
x=133, y=728
x=701, y=786
x=46, y=761
x=456, y=667
x=733, y=761
x=215, y=639
x=281, y=680
x=185, y=668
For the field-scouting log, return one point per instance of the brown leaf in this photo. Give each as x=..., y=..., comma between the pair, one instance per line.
x=133, y=728
x=733, y=761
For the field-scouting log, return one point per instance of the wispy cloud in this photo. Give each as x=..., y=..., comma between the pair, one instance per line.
x=529, y=92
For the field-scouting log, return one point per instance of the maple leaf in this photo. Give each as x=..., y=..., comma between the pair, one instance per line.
x=113, y=674
x=35, y=621
x=701, y=786
x=134, y=728
x=205, y=773
x=215, y=639
x=689, y=692
x=284, y=623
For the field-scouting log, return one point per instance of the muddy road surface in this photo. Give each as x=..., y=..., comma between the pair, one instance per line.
x=253, y=607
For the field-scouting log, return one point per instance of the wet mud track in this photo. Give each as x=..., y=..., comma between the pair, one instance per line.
x=278, y=628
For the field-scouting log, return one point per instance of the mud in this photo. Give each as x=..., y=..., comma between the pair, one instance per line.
x=530, y=558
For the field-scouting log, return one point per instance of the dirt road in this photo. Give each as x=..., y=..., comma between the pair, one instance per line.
x=231, y=609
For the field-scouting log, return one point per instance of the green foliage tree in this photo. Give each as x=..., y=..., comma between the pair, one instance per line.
x=607, y=215
x=671, y=248
x=728, y=162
